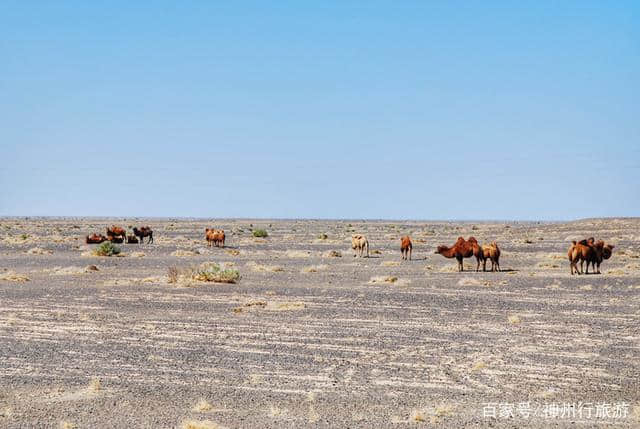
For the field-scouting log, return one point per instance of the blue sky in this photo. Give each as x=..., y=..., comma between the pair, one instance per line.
x=340, y=109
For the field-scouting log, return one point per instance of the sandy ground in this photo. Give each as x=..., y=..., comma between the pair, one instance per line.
x=304, y=339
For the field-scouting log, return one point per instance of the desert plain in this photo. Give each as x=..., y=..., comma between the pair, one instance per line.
x=311, y=336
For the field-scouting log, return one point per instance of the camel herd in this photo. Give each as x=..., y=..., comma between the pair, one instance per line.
x=588, y=250
x=115, y=234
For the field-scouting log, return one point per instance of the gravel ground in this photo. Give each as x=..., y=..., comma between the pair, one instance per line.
x=305, y=339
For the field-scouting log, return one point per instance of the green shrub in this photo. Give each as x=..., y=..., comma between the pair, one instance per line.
x=211, y=272
x=107, y=249
x=260, y=233
x=323, y=236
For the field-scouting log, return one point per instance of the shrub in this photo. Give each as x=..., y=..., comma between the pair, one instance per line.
x=172, y=274
x=323, y=236
x=107, y=249
x=260, y=233
x=211, y=272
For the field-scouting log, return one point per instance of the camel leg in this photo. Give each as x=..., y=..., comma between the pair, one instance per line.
x=460, y=264
x=410, y=249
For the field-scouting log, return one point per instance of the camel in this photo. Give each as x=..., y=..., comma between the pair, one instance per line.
x=492, y=252
x=359, y=243
x=132, y=239
x=116, y=238
x=463, y=249
x=591, y=251
x=143, y=232
x=116, y=231
x=406, y=247
x=215, y=237
x=95, y=238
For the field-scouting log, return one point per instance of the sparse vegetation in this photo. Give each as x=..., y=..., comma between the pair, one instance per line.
x=172, y=274
x=12, y=276
x=323, y=236
x=202, y=407
x=106, y=249
x=260, y=233
x=211, y=272
x=202, y=424
x=514, y=319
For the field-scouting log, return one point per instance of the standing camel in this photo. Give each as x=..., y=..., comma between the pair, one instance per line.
x=406, y=247
x=359, y=243
x=463, y=249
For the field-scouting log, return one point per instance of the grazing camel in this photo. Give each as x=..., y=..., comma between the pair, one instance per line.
x=143, y=232
x=359, y=243
x=215, y=237
x=116, y=231
x=463, y=249
x=492, y=252
x=406, y=247
x=95, y=238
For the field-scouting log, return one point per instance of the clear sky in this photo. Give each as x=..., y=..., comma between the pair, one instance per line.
x=332, y=109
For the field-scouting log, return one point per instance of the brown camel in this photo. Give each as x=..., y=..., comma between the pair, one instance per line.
x=95, y=238
x=215, y=237
x=463, y=249
x=492, y=252
x=116, y=231
x=406, y=247
x=591, y=251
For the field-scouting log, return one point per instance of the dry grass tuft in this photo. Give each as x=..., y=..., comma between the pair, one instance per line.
x=137, y=255
x=383, y=279
x=262, y=268
x=202, y=406
x=285, y=306
x=314, y=268
x=514, y=319
x=233, y=252
x=67, y=271
x=205, y=272
x=390, y=264
x=478, y=366
x=12, y=276
x=172, y=274
x=469, y=281
x=181, y=253
x=95, y=385
x=67, y=425
x=298, y=253
x=333, y=254
x=418, y=416
x=200, y=424
x=39, y=251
